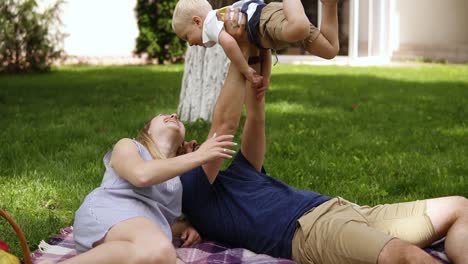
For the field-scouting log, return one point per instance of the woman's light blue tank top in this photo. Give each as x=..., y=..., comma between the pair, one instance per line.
x=117, y=200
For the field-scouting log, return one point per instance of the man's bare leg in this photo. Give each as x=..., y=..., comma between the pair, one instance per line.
x=399, y=251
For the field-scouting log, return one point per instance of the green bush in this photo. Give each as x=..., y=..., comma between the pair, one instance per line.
x=29, y=40
x=156, y=38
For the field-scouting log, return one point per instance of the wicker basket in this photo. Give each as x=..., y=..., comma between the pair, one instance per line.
x=19, y=233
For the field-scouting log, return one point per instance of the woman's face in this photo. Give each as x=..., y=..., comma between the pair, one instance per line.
x=167, y=123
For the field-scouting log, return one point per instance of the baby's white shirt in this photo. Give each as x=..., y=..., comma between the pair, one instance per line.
x=211, y=29
x=212, y=26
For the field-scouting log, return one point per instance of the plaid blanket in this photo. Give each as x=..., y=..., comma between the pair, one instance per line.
x=61, y=247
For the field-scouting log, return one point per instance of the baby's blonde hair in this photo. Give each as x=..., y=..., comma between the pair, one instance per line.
x=185, y=10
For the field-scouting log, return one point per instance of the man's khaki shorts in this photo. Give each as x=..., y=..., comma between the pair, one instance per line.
x=339, y=231
x=271, y=28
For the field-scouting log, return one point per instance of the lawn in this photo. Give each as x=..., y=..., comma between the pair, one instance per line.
x=371, y=135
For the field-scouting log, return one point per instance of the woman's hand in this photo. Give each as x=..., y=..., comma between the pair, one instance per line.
x=190, y=237
x=216, y=147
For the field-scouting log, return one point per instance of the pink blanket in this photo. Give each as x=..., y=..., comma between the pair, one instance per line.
x=61, y=247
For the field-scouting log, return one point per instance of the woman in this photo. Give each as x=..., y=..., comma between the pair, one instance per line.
x=128, y=218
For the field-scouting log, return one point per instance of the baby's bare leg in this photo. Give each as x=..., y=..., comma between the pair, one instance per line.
x=326, y=45
x=296, y=26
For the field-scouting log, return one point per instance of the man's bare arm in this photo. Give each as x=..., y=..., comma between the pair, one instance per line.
x=253, y=136
x=226, y=114
x=228, y=109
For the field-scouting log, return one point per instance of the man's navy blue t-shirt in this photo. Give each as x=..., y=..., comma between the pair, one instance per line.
x=246, y=208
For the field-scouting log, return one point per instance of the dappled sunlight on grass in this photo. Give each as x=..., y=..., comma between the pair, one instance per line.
x=425, y=73
x=298, y=85
x=454, y=131
x=295, y=108
x=151, y=68
x=40, y=205
x=369, y=134
x=164, y=68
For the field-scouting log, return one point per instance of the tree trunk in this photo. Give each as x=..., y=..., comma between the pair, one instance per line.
x=204, y=74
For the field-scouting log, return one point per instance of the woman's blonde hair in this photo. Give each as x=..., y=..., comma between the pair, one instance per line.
x=145, y=139
x=185, y=9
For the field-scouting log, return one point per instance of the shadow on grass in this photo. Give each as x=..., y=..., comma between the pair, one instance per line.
x=78, y=113
x=351, y=93
x=366, y=138
x=345, y=132
x=47, y=225
x=98, y=87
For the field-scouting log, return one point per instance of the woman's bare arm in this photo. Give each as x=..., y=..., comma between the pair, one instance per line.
x=128, y=164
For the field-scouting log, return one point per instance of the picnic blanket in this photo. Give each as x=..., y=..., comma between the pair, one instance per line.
x=62, y=246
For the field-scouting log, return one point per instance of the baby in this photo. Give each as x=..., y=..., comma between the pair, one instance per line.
x=269, y=26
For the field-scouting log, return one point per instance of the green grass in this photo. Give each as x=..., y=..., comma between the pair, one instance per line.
x=371, y=135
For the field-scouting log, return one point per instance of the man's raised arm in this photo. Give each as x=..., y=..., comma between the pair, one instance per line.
x=228, y=109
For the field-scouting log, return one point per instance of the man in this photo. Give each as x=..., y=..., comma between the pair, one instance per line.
x=244, y=207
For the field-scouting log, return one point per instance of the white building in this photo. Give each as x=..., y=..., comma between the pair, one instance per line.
x=99, y=31
x=409, y=29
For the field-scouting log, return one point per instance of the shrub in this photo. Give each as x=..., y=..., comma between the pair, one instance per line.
x=29, y=40
x=156, y=38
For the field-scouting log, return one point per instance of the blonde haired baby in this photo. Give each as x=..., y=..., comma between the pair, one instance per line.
x=269, y=26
